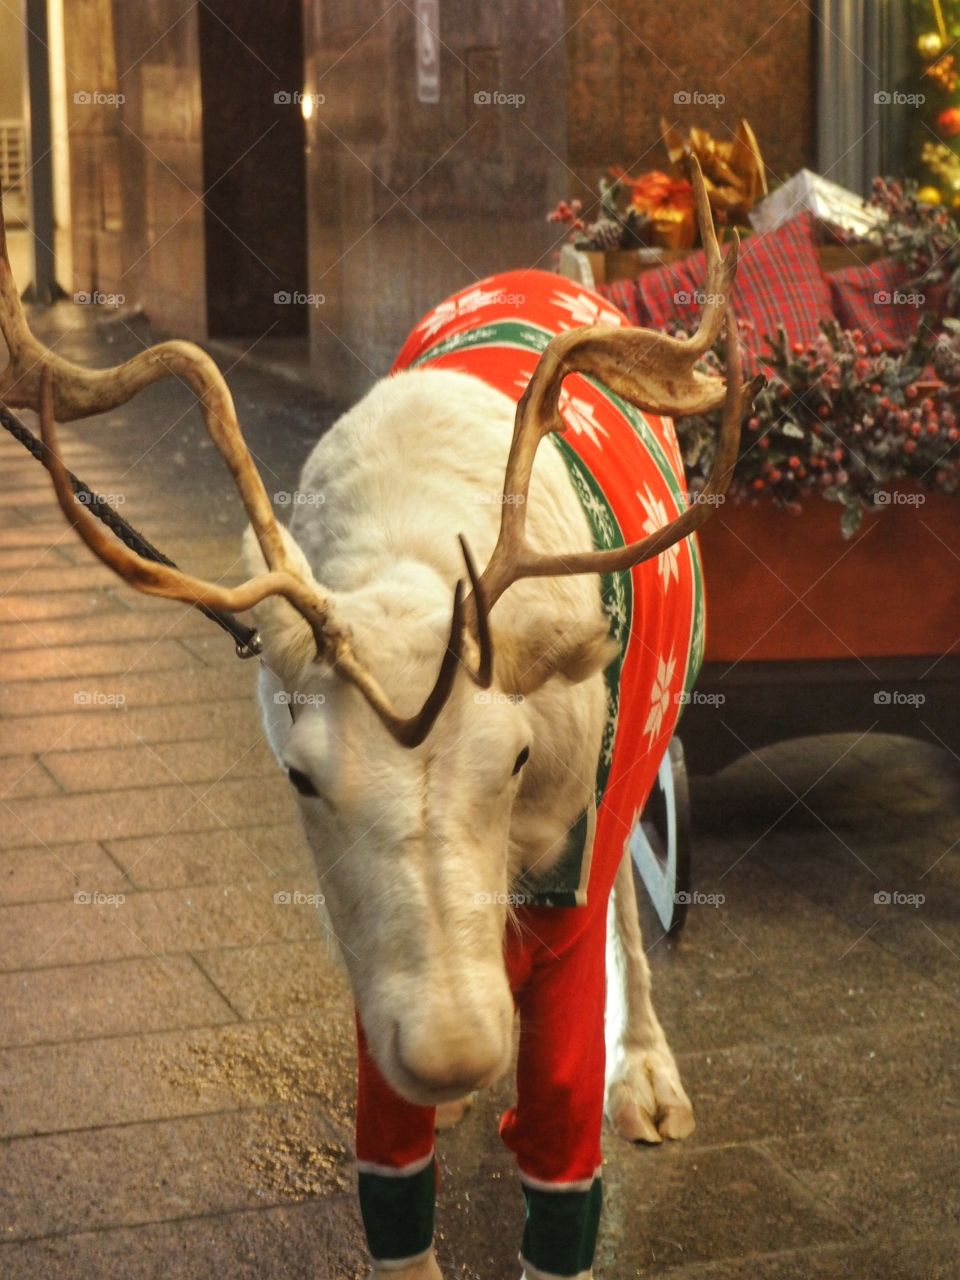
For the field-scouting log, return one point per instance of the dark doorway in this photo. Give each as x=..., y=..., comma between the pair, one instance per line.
x=251, y=66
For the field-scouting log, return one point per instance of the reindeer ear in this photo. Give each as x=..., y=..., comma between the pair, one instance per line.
x=527, y=660
x=289, y=645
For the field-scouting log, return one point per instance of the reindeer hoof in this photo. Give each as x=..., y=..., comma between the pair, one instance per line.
x=645, y=1101
x=451, y=1113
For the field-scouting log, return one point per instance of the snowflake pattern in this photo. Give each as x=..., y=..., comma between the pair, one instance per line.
x=586, y=308
x=464, y=305
x=667, y=561
x=581, y=416
x=660, y=697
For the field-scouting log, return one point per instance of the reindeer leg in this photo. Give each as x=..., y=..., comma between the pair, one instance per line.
x=645, y=1101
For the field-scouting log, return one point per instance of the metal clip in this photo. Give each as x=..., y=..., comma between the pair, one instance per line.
x=252, y=648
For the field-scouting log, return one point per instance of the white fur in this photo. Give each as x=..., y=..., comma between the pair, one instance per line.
x=417, y=849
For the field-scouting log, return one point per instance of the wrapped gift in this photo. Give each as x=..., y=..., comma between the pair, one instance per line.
x=668, y=203
x=733, y=169
x=827, y=200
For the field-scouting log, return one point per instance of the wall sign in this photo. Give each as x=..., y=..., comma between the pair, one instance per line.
x=427, y=18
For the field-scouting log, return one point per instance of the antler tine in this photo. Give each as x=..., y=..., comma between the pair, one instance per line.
x=80, y=393
x=512, y=558
x=720, y=271
x=315, y=606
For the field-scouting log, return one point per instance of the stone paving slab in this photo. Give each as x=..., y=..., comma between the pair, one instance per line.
x=130, y=1173
x=160, y=765
x=135, y=688
x=39, y=935
x=317, y=1240
x=80, y=632
x=115, y=815
x=849, y=1169
x=911, y=1257
x=22, y=776
x=47, y=873
x=79, y=730
x=87, y=1001
x=221, y=856
x=73, y=661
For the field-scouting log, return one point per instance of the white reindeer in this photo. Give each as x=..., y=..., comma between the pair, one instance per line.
x=437, y=759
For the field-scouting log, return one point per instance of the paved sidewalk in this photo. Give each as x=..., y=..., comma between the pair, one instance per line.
x=176, y=1066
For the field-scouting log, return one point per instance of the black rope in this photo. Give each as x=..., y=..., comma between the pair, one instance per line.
x=246, y=638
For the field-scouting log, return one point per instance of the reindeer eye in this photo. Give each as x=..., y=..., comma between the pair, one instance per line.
x=521, y=760
x=303, y=783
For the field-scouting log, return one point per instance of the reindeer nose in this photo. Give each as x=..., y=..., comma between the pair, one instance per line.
x=450, y=1061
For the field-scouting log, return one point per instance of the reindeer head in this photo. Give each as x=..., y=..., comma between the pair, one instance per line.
x=408, y=781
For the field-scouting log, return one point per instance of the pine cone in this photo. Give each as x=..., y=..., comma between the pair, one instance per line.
x=946, y=360
x=604, y=234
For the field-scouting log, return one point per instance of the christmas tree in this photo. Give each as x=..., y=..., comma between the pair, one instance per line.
x=937, y=33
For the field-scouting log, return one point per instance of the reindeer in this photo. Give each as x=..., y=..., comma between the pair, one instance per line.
x=442, y=753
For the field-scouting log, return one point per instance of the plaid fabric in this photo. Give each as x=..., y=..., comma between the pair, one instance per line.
x=779, y=285
x=879, y=300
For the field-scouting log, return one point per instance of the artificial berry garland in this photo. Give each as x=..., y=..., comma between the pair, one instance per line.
x=844, y=420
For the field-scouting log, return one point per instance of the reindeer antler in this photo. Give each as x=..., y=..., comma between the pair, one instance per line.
x=651, y=370
x=315, y=606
